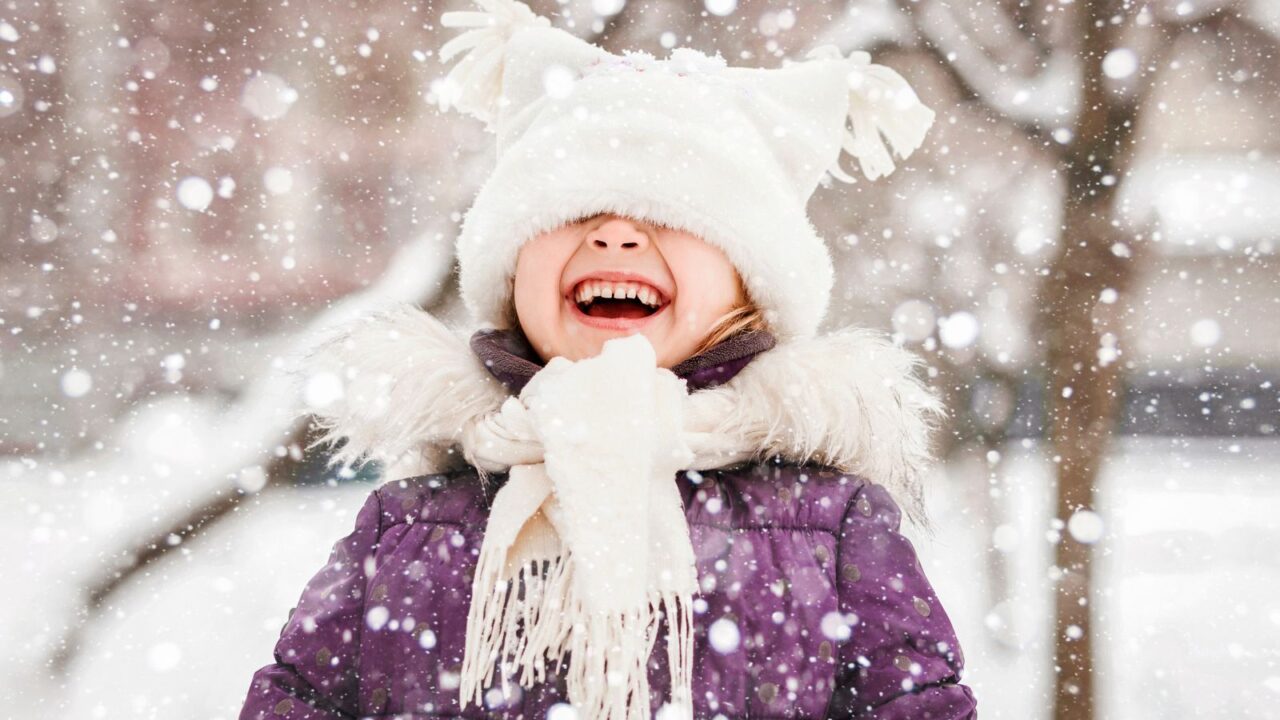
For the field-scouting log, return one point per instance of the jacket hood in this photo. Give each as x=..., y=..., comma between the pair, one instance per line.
x=400, y=386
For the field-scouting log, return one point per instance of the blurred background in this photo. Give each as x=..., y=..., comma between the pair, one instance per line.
x=1085, y=251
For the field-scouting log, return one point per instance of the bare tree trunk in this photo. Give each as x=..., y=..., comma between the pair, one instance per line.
x=1083, y=402
x=1084, y=391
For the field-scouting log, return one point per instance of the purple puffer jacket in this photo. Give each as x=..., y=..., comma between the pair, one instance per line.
x=812, y=604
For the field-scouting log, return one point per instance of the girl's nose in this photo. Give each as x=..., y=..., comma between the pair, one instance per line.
x=618, y=235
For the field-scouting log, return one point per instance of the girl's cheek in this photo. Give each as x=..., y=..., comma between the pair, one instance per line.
x=706, y=299
x=689, y=320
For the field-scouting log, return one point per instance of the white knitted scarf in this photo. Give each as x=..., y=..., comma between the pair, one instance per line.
x=587, y=547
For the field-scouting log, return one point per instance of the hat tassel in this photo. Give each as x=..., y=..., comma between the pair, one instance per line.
x=474, y=85
x=880, y=102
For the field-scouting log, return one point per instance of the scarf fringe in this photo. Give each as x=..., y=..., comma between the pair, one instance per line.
x=527, y=622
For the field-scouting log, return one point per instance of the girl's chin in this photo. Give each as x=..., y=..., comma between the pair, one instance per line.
x=589, y=341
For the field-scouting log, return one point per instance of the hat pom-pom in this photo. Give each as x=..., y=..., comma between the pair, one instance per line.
x=474, y=85
x=880, y=103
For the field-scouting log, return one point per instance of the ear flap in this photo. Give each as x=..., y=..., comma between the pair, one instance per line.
x=880, y=102
x=474, y=85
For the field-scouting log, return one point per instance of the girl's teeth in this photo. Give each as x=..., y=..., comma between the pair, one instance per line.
x=591, y=290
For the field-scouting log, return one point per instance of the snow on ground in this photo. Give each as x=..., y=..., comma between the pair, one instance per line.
x=1189, y=617
x=1195, y=603
x=183, y=641
x=1188, y=593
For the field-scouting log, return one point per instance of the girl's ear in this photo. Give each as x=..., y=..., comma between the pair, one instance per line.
x=510, y=318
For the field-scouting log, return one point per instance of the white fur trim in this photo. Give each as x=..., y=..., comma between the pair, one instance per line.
x=408, y=384
x=850, y=400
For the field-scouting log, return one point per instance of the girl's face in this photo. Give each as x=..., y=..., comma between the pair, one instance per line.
x=608, y=276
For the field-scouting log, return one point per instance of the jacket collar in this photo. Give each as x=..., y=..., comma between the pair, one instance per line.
x=509, y=357
x=850, y=400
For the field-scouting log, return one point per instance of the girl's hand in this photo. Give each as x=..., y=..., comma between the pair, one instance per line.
x=619, y=399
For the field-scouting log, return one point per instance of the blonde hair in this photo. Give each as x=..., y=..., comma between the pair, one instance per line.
x=745, y=317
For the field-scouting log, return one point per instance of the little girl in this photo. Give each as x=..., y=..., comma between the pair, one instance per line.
x=646, y=444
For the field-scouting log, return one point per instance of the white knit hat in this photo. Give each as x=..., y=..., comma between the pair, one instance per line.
x=729, y=154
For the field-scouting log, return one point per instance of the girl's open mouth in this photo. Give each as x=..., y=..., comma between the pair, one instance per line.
x=615, y=305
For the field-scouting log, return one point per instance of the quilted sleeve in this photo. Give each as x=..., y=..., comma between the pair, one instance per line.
x=902, y=659
x=315, y=673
